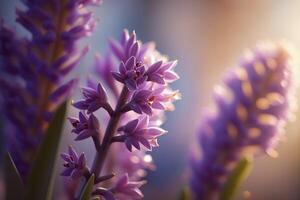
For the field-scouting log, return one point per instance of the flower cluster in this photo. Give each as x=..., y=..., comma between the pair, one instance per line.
x=252, y=107
x=32, y=69
x=137, y=95
x=75, y=166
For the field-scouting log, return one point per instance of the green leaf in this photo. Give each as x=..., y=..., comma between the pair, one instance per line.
x=184, y=194
x=88, y=188
x=13, y=181
x=41, y=179
x=239, y=174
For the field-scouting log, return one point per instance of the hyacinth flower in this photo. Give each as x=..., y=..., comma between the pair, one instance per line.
x=252, y=106
x=75, y=166
x=33, y=69
x=121, y=161
x=138, y=132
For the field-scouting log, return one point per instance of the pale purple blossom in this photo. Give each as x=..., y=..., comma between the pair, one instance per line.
x=75, y=166
x=85, y=126
x=93, y=99
x=131, y=74
x=160, y=72
x=252, y=106
x=151, y=97
x=140, y=64
x=126, y=189
x=138, y=132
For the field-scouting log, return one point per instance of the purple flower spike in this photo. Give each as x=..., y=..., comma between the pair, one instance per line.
x=75, y=166
x=85, y=127
x=33, y=69
x=129, y=89
x=131, y=74
x=128, y=189
x=137, y=131
x=94, y=99
x=252, y=106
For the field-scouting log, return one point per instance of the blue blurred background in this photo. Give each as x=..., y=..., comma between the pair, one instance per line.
x=207, y=37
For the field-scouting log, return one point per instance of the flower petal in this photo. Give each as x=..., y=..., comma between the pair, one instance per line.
x=84, y=134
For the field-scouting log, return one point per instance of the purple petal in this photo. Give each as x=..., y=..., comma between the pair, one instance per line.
x=146, y=109
x=136, y=108
x=73, y=120
x=141, y=80
x=74, y=33
x=142, y=95
x=82, y=117
x=154, y=143
x=93, y=122
x=82, y=161
x=91, y=83
x=134, y=193
x=81, y=105
x=143, y=122
x=130, y=42
x=89, y=92
x=171, y=76
x=130, y=63
x=116, y=49
x=84, y=134
x=124, y=37
x=94, y=106
x=108, y=195
x=63, y=91
x=128, y=145
x=122, y=68
x=131, y=126
x=134, y=49
x=155, y=131
x=73, y=154
x=153, y=68
x=65, y=157
x=131, y=84
x=122, y=181
x=135, y=143
x=159, y=89
x=118, y=77
x=168, y=65
x=74, y=63
x=156, y=78
x=146, y=143
x=158, y=105
x=102, y=92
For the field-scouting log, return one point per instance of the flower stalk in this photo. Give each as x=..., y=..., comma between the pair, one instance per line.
x=141, y=94
x=109, y=133
x=34, y=69
x=251, y=108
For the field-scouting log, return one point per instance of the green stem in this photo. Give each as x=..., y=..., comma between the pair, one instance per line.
x=238, y=175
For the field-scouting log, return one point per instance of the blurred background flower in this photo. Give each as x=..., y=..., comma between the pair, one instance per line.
x=206, y=36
